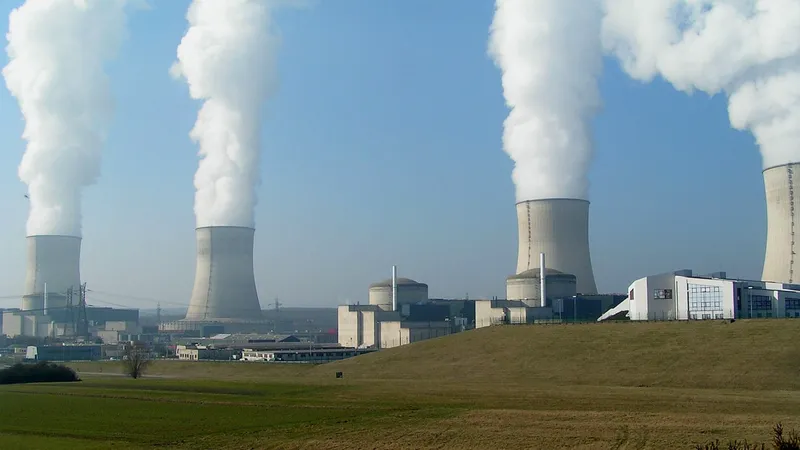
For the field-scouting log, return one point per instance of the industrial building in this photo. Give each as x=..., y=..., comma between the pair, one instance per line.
x=398, y=313
x=681, y=295
x=314, y=356
x=194, y=352
x=224, y=285
x=783, y=224
x=38, y=324
x=63, y=353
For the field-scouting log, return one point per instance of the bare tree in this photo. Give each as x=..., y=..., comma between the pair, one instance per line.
x=135, y=359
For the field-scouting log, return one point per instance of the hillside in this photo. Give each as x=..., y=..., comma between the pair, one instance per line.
x=757, y=354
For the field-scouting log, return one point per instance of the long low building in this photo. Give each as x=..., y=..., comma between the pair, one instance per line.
x=317, y=355
x=63, y=352
x=681, y=295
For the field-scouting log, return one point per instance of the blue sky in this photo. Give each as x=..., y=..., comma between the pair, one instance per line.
x=383, y=146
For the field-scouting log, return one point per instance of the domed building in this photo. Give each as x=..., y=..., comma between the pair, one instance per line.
x=526, y=286
x=408, y=292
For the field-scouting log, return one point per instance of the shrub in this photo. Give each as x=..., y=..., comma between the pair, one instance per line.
x=41, y=372
x=779, y=442
x=135, y=360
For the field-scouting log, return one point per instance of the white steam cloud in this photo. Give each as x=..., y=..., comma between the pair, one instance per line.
x=228, y=59
x=748, y=49
x=550, y=54
x=56, y=52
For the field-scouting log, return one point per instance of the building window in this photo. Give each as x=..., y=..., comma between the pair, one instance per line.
x=630, y=294
x=704, y=298
x=792, y=303
x=761, y=303
x=662, y=294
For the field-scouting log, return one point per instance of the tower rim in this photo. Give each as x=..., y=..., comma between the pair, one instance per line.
x=226, y=227
x=778, y=166
x=554, y=199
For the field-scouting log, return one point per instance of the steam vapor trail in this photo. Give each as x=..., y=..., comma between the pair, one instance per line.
x=748, y=49
x=56, y=51
x=550, y=54
x=228, y=59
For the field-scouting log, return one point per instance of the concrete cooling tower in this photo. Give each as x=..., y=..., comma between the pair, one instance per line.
x=224, y=283
x=781, y=186
x=53, y=268
x=559, y=228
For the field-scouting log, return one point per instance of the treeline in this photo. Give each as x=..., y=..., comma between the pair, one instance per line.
x=41, y=372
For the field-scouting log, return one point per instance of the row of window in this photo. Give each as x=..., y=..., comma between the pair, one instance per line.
x=761, y=302
x=706, y=316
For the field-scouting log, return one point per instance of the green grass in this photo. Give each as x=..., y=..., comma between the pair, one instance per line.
x=618, y=386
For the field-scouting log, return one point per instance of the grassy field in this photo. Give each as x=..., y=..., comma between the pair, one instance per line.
x=621, y=386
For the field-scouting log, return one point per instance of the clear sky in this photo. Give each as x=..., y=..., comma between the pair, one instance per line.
x=383, y=146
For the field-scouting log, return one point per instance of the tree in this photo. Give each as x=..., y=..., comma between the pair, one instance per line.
x=135, y=359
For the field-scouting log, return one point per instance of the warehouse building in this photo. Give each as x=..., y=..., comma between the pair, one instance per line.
x=63, y=352
x=681, y=295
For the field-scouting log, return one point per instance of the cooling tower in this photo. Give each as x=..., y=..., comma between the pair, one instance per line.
x=224, y=282
x=559, y=228
x=54, y=263
x=780, y=185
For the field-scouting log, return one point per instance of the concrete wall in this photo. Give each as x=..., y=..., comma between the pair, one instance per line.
x=54, y=260
x=560, y=229
x=224, y=285
x=392, y=334
x=348, y=328
x=369, y=328
x=517, y=315
x=395, y=333
x=783, y=223
x=22, y=323
x=486, y=316
x=109, y=337
x=130, y=327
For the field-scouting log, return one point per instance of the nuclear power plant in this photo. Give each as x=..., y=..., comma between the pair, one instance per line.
x=224, y=283
x=783, y=223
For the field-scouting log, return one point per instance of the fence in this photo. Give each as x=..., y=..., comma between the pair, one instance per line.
x=480, y=323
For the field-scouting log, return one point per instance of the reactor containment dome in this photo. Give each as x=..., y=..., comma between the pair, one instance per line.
x=408, y=292
x=526, y=286
x=224, y=284
x=53, y=269
x=559, y=228
x=781, y=188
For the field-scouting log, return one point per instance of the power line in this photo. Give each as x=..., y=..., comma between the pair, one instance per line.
x=133, y=297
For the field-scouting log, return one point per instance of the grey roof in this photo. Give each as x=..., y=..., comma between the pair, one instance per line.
x=400, y=282
x=534, y=273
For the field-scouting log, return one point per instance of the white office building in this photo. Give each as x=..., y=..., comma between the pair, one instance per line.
x=683, y=296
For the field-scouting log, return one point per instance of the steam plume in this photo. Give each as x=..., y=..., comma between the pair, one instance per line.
x=228, y=59
x=56, y=50
x=748, y=49
x=550, y=54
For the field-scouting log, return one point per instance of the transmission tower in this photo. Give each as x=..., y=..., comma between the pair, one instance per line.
x=82, y=328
